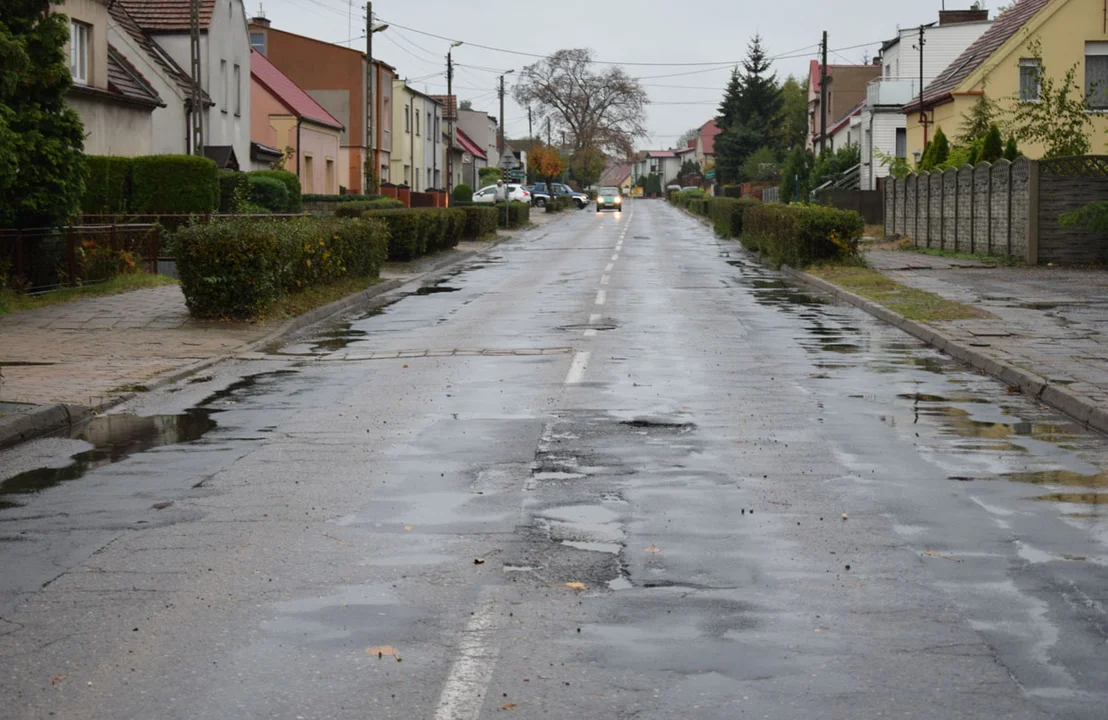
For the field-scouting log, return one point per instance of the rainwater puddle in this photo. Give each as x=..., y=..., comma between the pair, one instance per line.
x=610, y=548
x=434, y=289
x=113, y=437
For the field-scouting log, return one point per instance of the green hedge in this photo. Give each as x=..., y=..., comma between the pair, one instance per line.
x=799, y=235
x=291, y=183
x=108, y=187
x=462, y=193
x=174, y=185
x=732, y=191
x=349, y=197
x=414, y=232
x=518, y=215
x=560, y=203
x=236, y=268
x=481, y=220
x=356, y=209
x=685, y=198
x=230, y=182
x=727, y=214
x=267, y=192
x=698, y=205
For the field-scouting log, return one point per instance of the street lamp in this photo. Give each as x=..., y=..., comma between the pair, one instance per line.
x=371, y=147
x=453, y=116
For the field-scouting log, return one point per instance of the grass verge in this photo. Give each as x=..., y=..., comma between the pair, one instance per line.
x=913, y=304
x=13, y=302
x=313, y=297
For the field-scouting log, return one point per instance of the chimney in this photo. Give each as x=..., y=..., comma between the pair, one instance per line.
x=956, y=17
x=260, y=20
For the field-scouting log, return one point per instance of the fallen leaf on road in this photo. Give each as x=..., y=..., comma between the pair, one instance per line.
x=57, y=679
x=575, y=586
x=932, y=553
x=478, y=561
x=409, y=528
x=507, y=706
x=382, y=650
x=161, y=505
x=653, y=549
x=340, y=542
x=405, y=365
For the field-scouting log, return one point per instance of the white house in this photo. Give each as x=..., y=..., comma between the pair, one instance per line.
x=882, y=124
x=157, y=35
x=666, y=163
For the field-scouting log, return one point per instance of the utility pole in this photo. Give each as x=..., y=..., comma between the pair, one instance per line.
x=530, y=132
x=453, y=116
x=500, y=147
x=196, y=117
x=548, y=140
x=823, y=96
x=370, y=146
x=922, y=114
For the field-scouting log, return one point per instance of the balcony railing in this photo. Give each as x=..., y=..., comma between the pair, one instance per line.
x=893, y=91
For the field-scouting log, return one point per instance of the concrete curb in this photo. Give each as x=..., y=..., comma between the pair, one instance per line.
x=49, y=419
x=1057, y=397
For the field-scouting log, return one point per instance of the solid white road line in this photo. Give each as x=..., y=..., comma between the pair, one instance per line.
x=601, y=296
x=577, y=370
x=470, y=675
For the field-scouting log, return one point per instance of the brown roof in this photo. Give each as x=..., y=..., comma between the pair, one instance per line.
x=449, y=106
x=125, y=79
x=167, y=15
x=615, y=175
x=976, y=54
x=173, y=72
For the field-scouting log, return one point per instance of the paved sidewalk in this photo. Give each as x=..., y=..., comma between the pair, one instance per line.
x=1050, y=321
x=87, y=353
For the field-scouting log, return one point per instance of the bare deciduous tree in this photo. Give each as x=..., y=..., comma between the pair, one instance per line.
x=600, y=110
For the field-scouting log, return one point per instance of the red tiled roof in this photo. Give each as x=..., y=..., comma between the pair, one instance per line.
x=1002, y=29
x=289, y=93
x=661, y=153
x=167, y=15
x=449, y=106
x=124, y=79
x=168, y=65
x=615, y=175
x=469, y=146
x=708, y=132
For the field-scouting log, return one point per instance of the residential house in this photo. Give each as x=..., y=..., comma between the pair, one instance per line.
x=114, y=98
x=482, y=129
x=846, y=87
x=1004, y=66
x=664, y=162
x=286, y=116
x=617, y=175
x=847, y=130
x=336, y=77
x=417, y=151
x=468, y=160
x=706, y=147
x=224, y=69
x=883, y=124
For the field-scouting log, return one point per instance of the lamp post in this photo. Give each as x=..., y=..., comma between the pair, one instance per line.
x=451, y=119
x=371, y=101
x=501, y=146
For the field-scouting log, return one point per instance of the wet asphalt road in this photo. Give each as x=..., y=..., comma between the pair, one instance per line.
x=614, y=469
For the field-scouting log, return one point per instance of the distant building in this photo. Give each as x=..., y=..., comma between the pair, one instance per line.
x=846, y=87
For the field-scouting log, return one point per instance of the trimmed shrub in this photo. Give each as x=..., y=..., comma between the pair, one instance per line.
x=108, y=187
x=518, y=215
x=174, y=185
x=558, y=204
x=269, y=193
x=357, y=209
x=405, y=232
x=349, y=197
x=727, y=214
x=686, y=197
x=671, y=195
x=236, y=268
x=698, y=205
x=291, y=182
x=462, y=193
x=229, y=184
x=799, y=235
x=732, y=191
x=480, y=220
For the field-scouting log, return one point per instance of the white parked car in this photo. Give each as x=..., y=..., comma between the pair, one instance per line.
x=516, y=193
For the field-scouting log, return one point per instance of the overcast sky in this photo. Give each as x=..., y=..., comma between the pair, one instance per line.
x=639, y=31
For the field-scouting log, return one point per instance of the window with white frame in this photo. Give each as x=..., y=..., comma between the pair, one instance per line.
x=238, y=90
x=417, y=123
x=407, y=119
x=1030, y=70
x=901, y=143
x=79, y=36
x=1096, y=75
x=226, y=86
x=257, y=41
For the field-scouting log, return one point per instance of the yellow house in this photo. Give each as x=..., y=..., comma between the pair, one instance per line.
x=1002, y=65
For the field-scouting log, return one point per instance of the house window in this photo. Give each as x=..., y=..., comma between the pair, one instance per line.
x=417, y=124
x=901, y=143
x=428, y=177
x=1096, y=75
x=407, y=119
x=257, y=41
x=238, y=90
x=407, y=171
x=330, y=176
x=428, y=125
x=1030, y=69
x=309, y=178
x=226, y=87
x=384, y=173
x=78, y=51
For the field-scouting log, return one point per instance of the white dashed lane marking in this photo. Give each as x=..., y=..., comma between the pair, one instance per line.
x=577, y=370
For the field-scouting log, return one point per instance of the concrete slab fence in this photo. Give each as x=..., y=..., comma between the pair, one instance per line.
x=1006, y=209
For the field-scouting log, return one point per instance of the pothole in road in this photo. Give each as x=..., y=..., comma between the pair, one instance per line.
x=602, y=326
x=650, y=424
